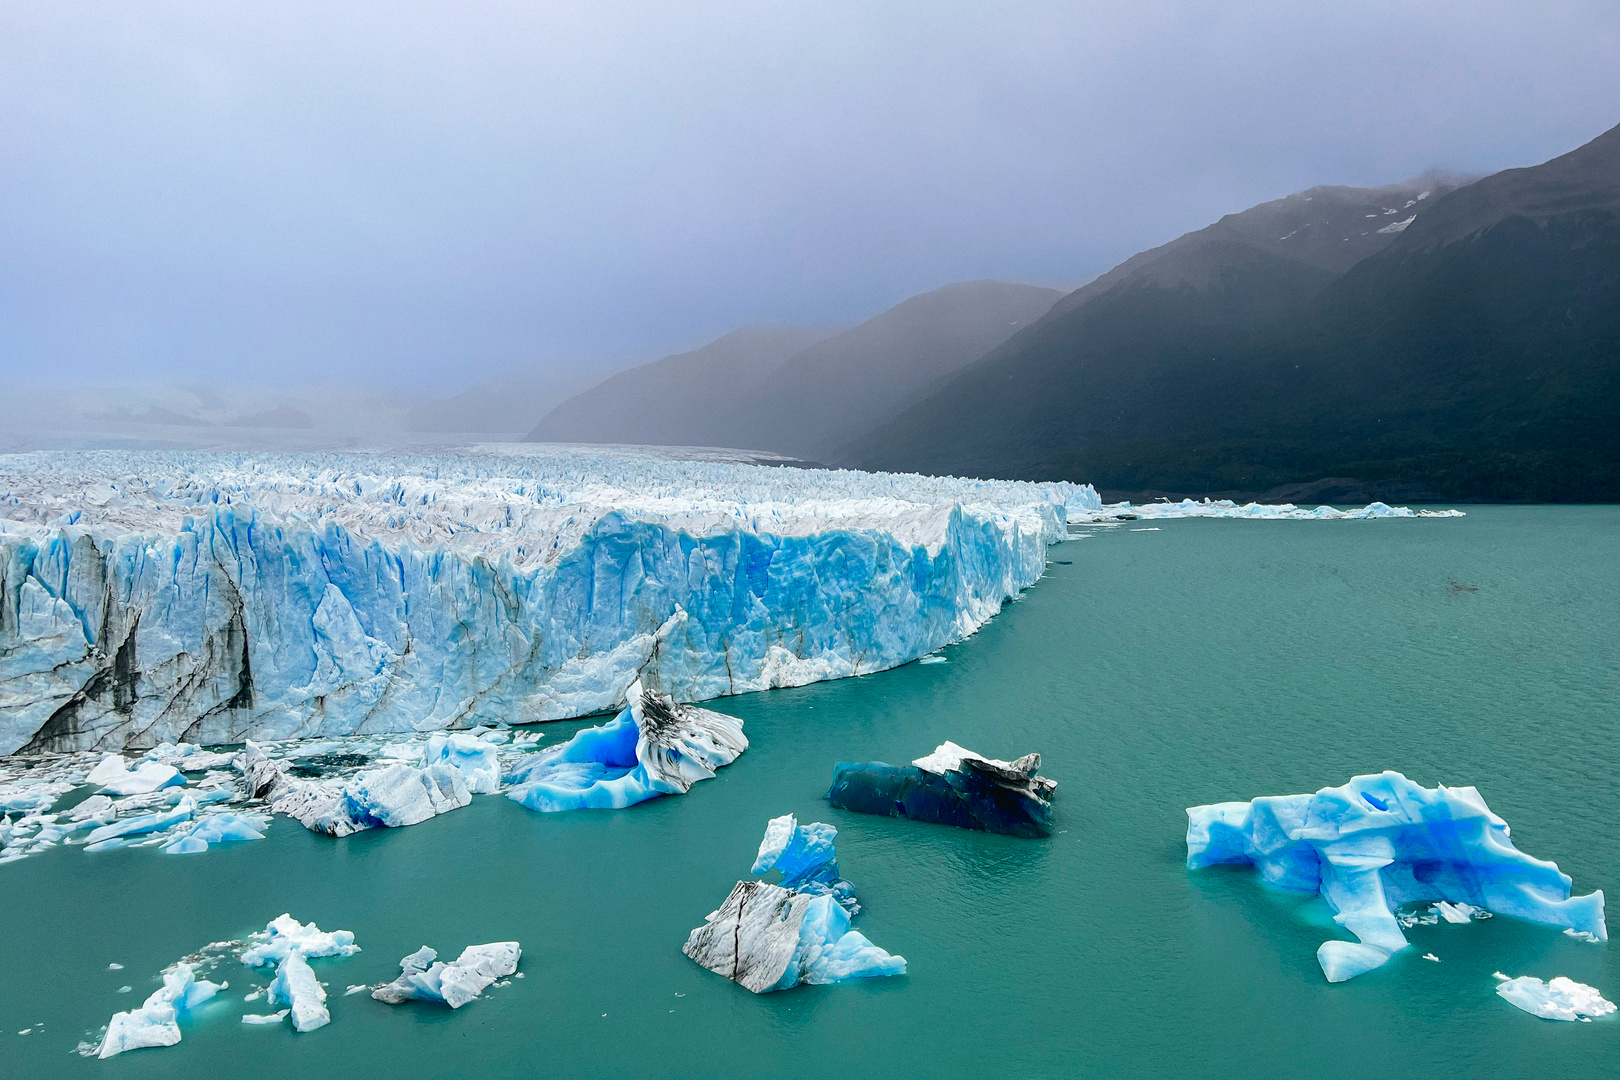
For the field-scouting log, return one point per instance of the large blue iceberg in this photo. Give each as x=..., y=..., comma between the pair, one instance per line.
x=772, y=937
x=951, y=786
x=1380, y=842
x=653, y=747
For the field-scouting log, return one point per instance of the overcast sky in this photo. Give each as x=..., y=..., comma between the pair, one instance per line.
x=424, y=192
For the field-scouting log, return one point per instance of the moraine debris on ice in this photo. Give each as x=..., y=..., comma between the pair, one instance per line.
x=1557, y=999
x=772, y=937
x=653, y=747
x=951, y=786
x=424, y=977
x=1380, y=842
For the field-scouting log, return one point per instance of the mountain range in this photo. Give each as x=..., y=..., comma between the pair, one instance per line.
x=1445, y=337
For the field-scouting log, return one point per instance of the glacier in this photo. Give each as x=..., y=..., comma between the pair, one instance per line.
x=424, y=977
x=768, y=937
x=209, y=598
x=951, y=786
x=653, y=747
x=1382, y=841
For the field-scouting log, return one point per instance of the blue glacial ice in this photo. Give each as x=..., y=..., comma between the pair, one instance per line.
x=296, y=987
x=807, y=860
x=205, y=598
x=653, y=747
x=424, y=977
x=1559, y=998
x=155, y=1022
x=772, y=937
x=217, y=829
x=951, y=786
x=1380, y=842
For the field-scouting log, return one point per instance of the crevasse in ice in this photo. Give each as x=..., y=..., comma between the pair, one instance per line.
x=211, y=598
x=772, y=937
x=1381, y=841
x=653, y=747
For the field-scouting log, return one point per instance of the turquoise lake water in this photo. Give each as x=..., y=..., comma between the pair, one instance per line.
x=1153, y=670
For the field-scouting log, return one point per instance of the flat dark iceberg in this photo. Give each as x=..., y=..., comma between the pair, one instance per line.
x=951, y=786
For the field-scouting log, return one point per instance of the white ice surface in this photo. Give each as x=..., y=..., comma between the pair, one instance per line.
x=155, y=1022
x=1557, y=999
x=295, y=986
x=285, y=935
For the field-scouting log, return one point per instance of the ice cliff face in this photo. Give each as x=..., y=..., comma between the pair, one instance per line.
x=211, y=597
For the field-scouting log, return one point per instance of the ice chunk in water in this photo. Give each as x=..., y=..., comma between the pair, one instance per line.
x=768, y=937
x=295, y=985
x=1383, y=841
x=113, y=775
x=1557, y=999
x=423, y=977
x=216, y=830
x=284, y=933
x=653, y=747
x=265, y=1018
x=154, y=1023
x=951, y=786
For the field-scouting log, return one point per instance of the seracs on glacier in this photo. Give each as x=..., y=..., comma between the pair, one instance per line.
x=1380, y=842
x=773, y=937
x=211, y=598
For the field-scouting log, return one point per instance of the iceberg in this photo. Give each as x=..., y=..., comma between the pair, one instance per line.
x=206, y=598
x=773, y=937
x=393, y=796
x=284, y=935
x=295, y=986
x=217, y=829
x=146, y=776
x=113, y=834
x=1382, y=841
x=1557, y=999
x=155, y=1022
x=653, y=747
x=805, y=857
x=423, y=977
x=951, y=786
x=265, y=1018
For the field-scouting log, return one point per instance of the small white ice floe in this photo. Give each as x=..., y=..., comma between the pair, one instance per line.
x=265, y=1018
x=932, y=660
x=1580, y=935
x=1155, y=528
x=125, y=989
x=1558, y=999
x=295, y=985
x=355, y=988
x=285, y=934
x=1459, y=913
x=424, y=977
x=255, y=996
x=26, y=1031
x=1431, y=956
x=115, y=967
x=153, y=1024
x=114, y=774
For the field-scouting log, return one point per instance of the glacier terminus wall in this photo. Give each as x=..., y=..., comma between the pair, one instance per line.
x=150, y=596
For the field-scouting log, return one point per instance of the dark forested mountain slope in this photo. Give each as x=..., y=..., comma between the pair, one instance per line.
x=1474, y=355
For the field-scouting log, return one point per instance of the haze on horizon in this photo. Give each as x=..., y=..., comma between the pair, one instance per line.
x=417, y=195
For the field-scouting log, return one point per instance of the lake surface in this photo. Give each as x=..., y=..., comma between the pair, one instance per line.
x=1204, y=661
